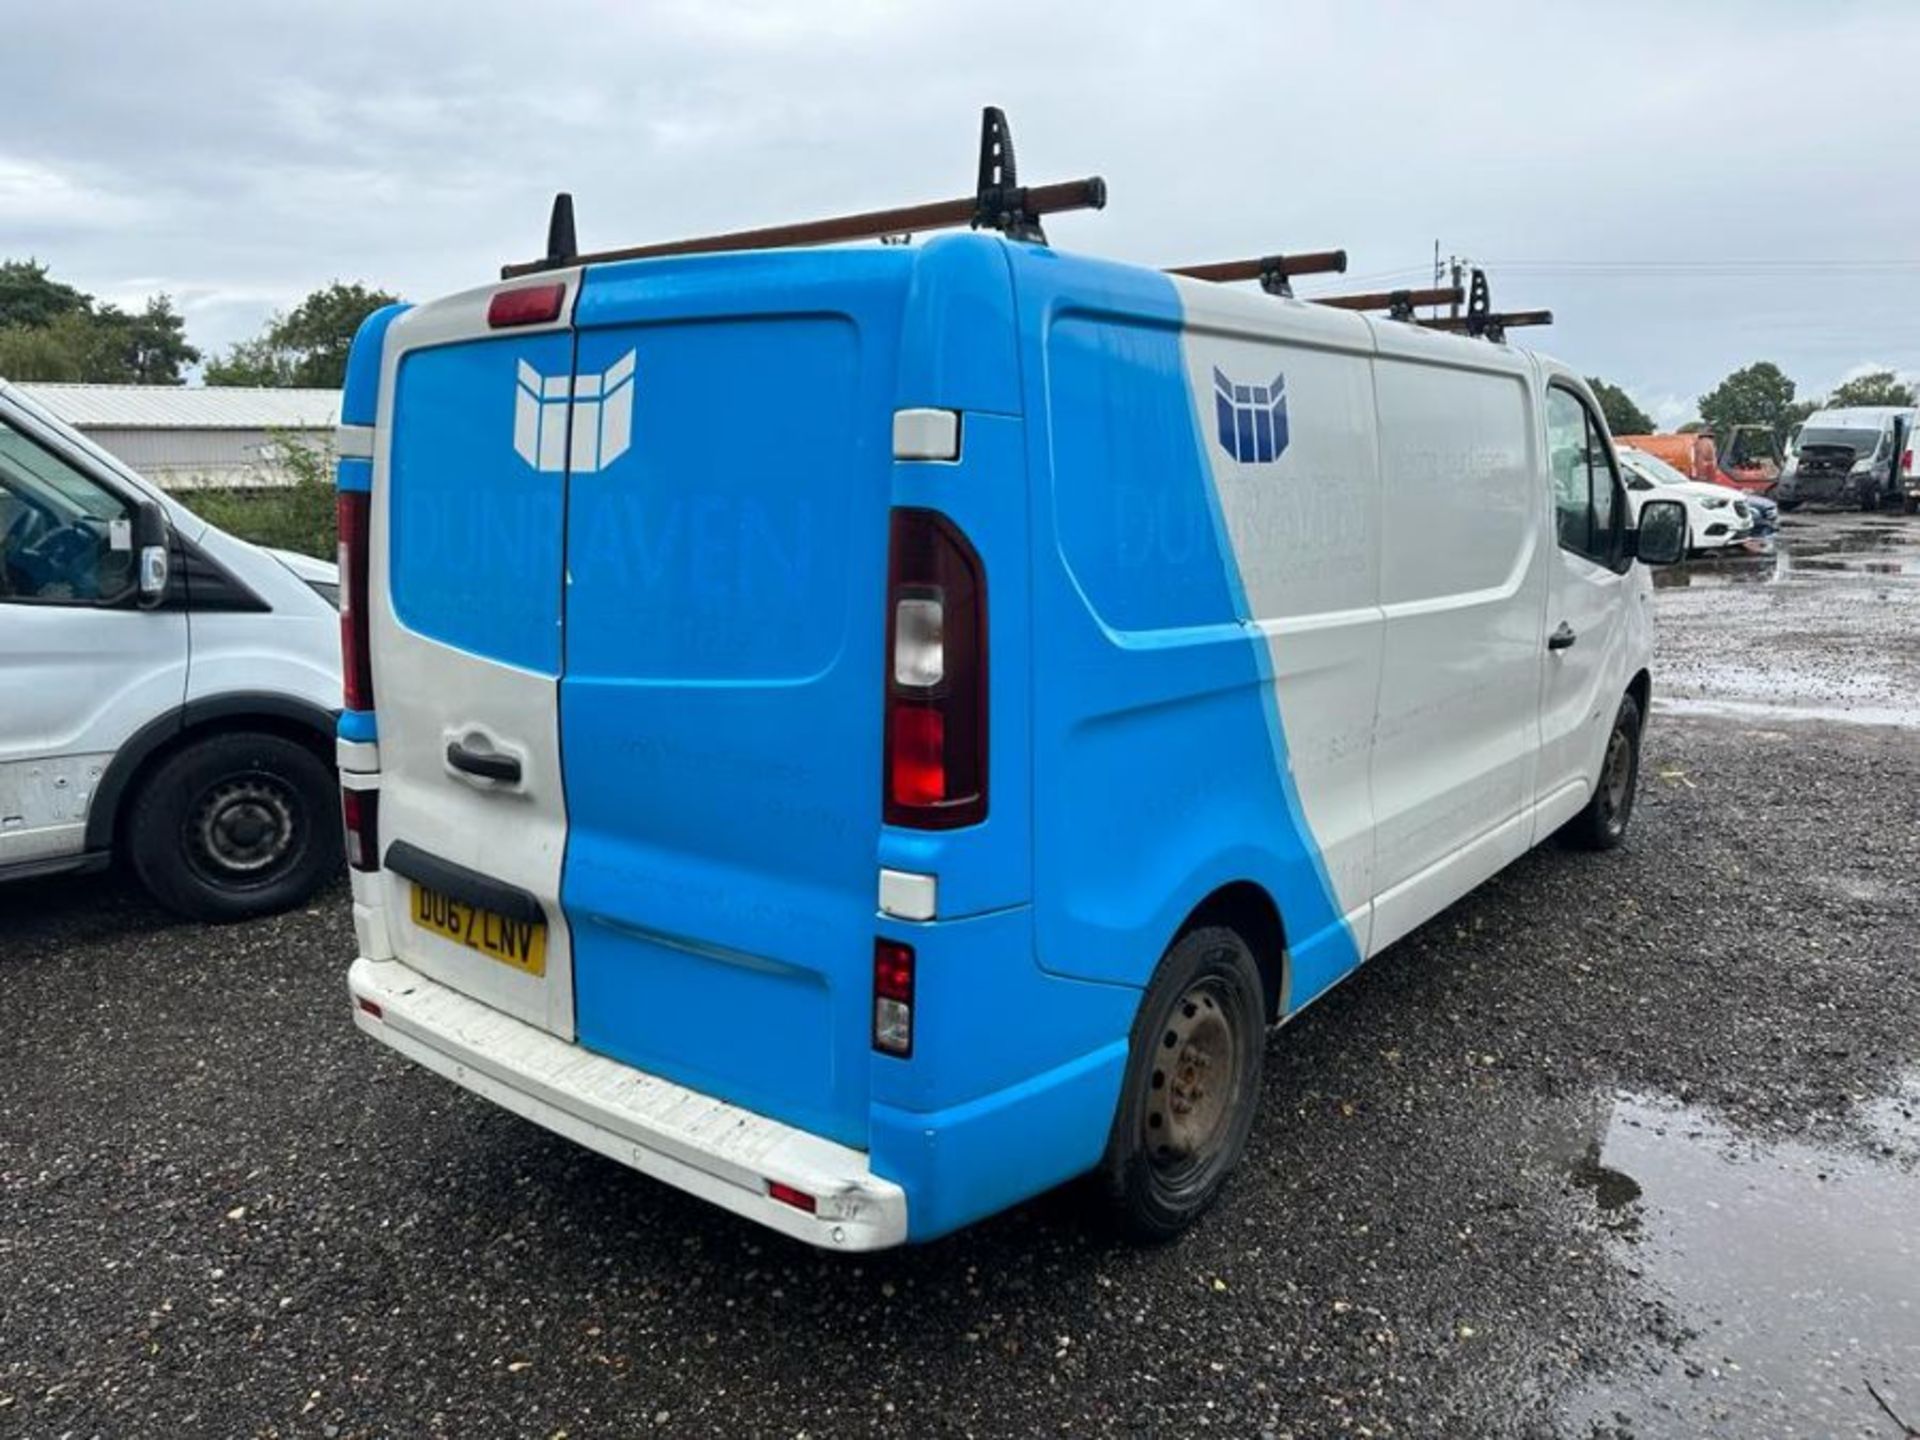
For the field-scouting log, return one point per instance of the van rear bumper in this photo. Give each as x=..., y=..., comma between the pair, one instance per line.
x=691, y=1141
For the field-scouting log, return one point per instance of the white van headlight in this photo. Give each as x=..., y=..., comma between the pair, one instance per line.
x=1714, y=502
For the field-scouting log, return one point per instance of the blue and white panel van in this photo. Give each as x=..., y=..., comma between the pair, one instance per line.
x=866, y=735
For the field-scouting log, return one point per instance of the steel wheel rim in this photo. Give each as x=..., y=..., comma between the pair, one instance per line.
x=243, y=829
x=1617, y=777
x=1194, y=1084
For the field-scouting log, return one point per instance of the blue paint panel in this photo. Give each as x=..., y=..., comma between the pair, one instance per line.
x=1160, y=771
x=353, y=474
x=473, y=526
x=720, y=709
x=357, y=725
x=360, y=396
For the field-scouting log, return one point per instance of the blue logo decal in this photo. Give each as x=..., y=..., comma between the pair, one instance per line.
x=1253, y=419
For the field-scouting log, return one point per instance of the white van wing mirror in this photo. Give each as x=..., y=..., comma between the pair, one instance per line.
x=1661, y=537
x=151, y=546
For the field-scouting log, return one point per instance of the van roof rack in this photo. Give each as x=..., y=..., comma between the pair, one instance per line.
x=999, y=202
x=1399, y=304
x=1274, y=272
x=1482, y=320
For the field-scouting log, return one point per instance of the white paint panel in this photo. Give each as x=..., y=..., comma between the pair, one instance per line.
x=1464, y=571
x=1305, y=532
x=425, y=690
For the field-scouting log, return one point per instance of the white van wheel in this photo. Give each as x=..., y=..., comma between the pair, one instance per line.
x=1602, y=825
x=236, y=825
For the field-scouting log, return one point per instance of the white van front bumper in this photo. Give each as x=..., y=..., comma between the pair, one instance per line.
x=693, y=1142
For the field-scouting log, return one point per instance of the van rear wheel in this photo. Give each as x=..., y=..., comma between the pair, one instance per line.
x=236, y=825
x=1603, y=823
x=1191, y=1087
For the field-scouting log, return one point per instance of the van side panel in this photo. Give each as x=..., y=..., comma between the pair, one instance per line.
x=1160, y=763
x=1304, y=528
x=1464, y=575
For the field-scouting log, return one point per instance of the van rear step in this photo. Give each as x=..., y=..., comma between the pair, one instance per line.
x=800, y=1184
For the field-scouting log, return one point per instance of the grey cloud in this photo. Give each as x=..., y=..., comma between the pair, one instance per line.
x=251, y=152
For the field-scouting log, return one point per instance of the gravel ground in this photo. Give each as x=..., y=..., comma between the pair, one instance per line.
x=224, y=1213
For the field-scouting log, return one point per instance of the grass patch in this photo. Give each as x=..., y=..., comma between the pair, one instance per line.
x=287, y=517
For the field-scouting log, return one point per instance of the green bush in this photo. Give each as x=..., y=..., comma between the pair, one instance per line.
x=298, y=517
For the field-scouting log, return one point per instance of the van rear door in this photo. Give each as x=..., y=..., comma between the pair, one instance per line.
x=720, y=711
x=464, y=617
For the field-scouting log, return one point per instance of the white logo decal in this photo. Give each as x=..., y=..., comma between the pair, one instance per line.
x=602, y=417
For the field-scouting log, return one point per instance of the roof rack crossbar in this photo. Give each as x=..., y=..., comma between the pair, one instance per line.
x=1394, y=300
x=1492, y=326
x=1274, y=272
x=999, y=203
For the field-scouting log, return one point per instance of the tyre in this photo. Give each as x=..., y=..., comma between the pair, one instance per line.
x=236, y=825
x=1908, y=505
x=1787, y=507
x=1191, y=1086
x=1603, y=823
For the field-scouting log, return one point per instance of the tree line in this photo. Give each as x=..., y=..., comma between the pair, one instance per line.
x=1757, y=394
x=51, y=331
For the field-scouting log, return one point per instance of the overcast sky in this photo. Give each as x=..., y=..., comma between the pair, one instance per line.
x=1688, y=187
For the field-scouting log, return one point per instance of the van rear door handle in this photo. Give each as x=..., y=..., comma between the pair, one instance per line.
x=483, y=763
x=1562, y=638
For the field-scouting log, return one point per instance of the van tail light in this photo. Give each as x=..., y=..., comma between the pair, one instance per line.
x=360, y=809
x=893, y=998
x=936, y=686
x=356, y=659
x=1906, y=462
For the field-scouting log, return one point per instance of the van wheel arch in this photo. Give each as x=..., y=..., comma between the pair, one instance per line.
x=1641, y=689
x=149, y=747
x=1245, y=908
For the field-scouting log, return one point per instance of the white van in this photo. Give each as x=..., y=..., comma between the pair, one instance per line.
x=866, y=735
x=1853, y=456
x=167, y=691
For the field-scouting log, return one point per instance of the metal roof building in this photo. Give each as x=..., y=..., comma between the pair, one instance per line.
x=183, y=437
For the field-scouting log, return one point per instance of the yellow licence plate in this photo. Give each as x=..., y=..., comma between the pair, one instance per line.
x=519, y=943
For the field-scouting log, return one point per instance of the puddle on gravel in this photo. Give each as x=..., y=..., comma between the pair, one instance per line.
x=1791, y=1273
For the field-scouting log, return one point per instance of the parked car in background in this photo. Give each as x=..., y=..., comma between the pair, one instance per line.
x=1764, y=511
x=1717, y=515
x=170, y=690
x=1851, y=457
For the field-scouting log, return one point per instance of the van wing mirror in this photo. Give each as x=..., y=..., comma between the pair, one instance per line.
x=152, y=545
x=1661, y=536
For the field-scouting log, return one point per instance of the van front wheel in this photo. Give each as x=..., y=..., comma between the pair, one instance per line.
x=236, y=825
x=1603, y=824
x=1192, y=1083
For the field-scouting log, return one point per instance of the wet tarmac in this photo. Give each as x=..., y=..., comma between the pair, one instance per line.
x=1791, y=1271
x=1621, y=1145
x=1820, y=623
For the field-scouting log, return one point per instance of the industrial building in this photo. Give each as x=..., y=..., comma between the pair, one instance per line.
x=185, y=437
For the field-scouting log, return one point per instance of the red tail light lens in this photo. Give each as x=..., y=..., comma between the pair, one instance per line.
x=893, y=998
x=528, y=305
x=360, y=809
x=936, y=731
x=356, y=659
